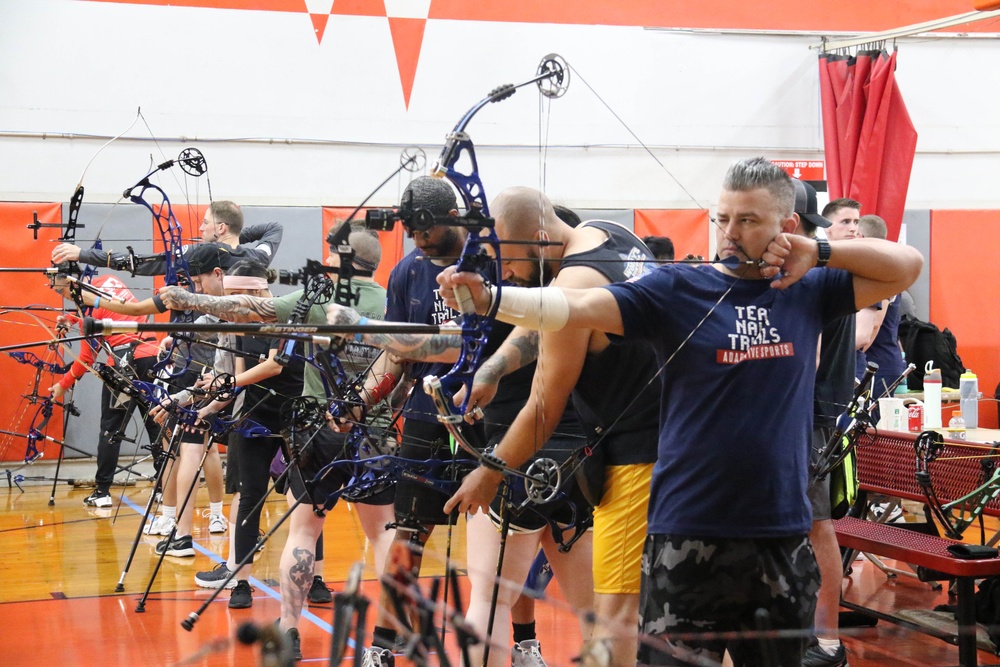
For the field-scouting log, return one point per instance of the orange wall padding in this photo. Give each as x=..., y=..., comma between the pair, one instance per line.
x=22, y=289
x=963, y=293
x=189, y=217
x=392, y=242
x=687, y=228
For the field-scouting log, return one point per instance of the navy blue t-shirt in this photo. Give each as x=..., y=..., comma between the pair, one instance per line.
x=413, y=296
x=885, y=350
x=737, y=401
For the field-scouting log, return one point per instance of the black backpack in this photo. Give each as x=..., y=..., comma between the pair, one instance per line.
x=923, y=342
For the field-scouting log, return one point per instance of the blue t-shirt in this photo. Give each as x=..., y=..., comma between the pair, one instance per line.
x=413, y=296
x=737, y=400
x=885, y=350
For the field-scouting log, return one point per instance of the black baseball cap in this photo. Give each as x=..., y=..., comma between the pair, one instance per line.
x=205, y=257
x=805, y=204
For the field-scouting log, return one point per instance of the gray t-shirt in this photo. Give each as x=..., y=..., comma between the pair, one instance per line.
x=357, y=357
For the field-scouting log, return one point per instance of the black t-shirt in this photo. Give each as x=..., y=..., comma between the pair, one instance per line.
x=513, y=392
x=835, y=372
x=616, y=389
x=266, y=409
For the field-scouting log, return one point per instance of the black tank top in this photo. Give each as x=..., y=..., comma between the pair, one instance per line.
x=616, y=389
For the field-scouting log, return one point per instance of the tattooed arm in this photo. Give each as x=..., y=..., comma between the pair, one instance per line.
x=417, y=347
x=241, y=308
x=519, y=349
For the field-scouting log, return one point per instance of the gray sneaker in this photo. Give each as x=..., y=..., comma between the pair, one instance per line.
x=527, y=653
x=215, y=578
x=181, y=547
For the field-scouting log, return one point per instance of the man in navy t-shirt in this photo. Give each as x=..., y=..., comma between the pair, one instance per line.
x=413, y=296
x=736, y=342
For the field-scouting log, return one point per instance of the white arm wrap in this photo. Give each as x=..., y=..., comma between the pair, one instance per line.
x=537, y=308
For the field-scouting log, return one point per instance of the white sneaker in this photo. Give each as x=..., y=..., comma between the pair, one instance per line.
x=217, y=523
x=879, y=509
x=377, y=657
x=527, y=653
x=98, y=499
x=161, y=525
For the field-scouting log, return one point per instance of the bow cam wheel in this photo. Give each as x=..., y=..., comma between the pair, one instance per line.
x=192, y=162
x=547, y=479
x=557, y=82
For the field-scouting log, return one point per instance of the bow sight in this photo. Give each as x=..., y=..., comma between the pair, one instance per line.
x=422, y=219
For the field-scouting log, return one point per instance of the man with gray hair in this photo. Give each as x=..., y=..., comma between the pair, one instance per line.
x=727, y=547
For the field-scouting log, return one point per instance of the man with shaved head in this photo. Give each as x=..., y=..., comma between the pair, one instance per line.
x=612, y=389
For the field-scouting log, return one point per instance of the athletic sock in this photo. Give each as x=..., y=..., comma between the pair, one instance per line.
x=384, y=637
x=215, y=508
x=523, y=631
x=829, y=646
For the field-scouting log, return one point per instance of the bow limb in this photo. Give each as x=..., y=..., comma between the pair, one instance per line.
x=87, y=275
x=956, y=515
x=35, y=395
x=552, y=79
x=177, y=272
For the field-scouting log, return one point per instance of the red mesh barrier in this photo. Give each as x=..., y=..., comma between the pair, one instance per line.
x=887, y=463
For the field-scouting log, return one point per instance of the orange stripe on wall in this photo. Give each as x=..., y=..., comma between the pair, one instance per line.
x=189, y=217
x=687, y=228
x=391, y=242
x=846, y=15
x=963, y=293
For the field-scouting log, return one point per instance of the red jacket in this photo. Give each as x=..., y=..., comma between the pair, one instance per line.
x=146, y=347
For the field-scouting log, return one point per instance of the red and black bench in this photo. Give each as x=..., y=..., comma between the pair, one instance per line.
x=887, y=465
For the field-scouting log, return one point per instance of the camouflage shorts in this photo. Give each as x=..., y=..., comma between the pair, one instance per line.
x=703, y=596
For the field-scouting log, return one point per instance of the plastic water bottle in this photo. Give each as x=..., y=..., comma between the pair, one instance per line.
x=902, y=388
x=968, y=391
x=932, y=396
x=956, y=427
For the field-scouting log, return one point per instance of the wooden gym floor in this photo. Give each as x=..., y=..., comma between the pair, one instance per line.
x=59, y=567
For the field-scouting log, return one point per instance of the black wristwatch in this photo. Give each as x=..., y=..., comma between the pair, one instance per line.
x=823, y=249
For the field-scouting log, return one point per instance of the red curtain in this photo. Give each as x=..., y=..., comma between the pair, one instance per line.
x=867, y=133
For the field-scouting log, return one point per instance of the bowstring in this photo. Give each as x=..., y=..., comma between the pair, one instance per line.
x=182, y=186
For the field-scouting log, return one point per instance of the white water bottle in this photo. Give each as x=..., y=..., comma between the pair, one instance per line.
x=968, y=391
x=932, y=396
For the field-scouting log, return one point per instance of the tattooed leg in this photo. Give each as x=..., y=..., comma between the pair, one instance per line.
x=297, y=562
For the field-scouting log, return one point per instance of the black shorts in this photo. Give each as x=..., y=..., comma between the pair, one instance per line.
x=417, y=502
x=819, y=490
x=233, y=447
x=694, y=586
x=323, y=448
x=570, y=507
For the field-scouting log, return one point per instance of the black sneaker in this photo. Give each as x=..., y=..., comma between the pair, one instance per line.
x=295, y=644
x=215, y=578
x=377, y=657
x=318, y=592
x=181, y=547
x=242, y=595
x=98, y=498
x=817, y=657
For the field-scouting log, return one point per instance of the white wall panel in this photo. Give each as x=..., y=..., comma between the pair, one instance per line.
x=220, y=78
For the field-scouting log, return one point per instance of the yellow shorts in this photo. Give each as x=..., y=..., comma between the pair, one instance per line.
x=620, y=528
